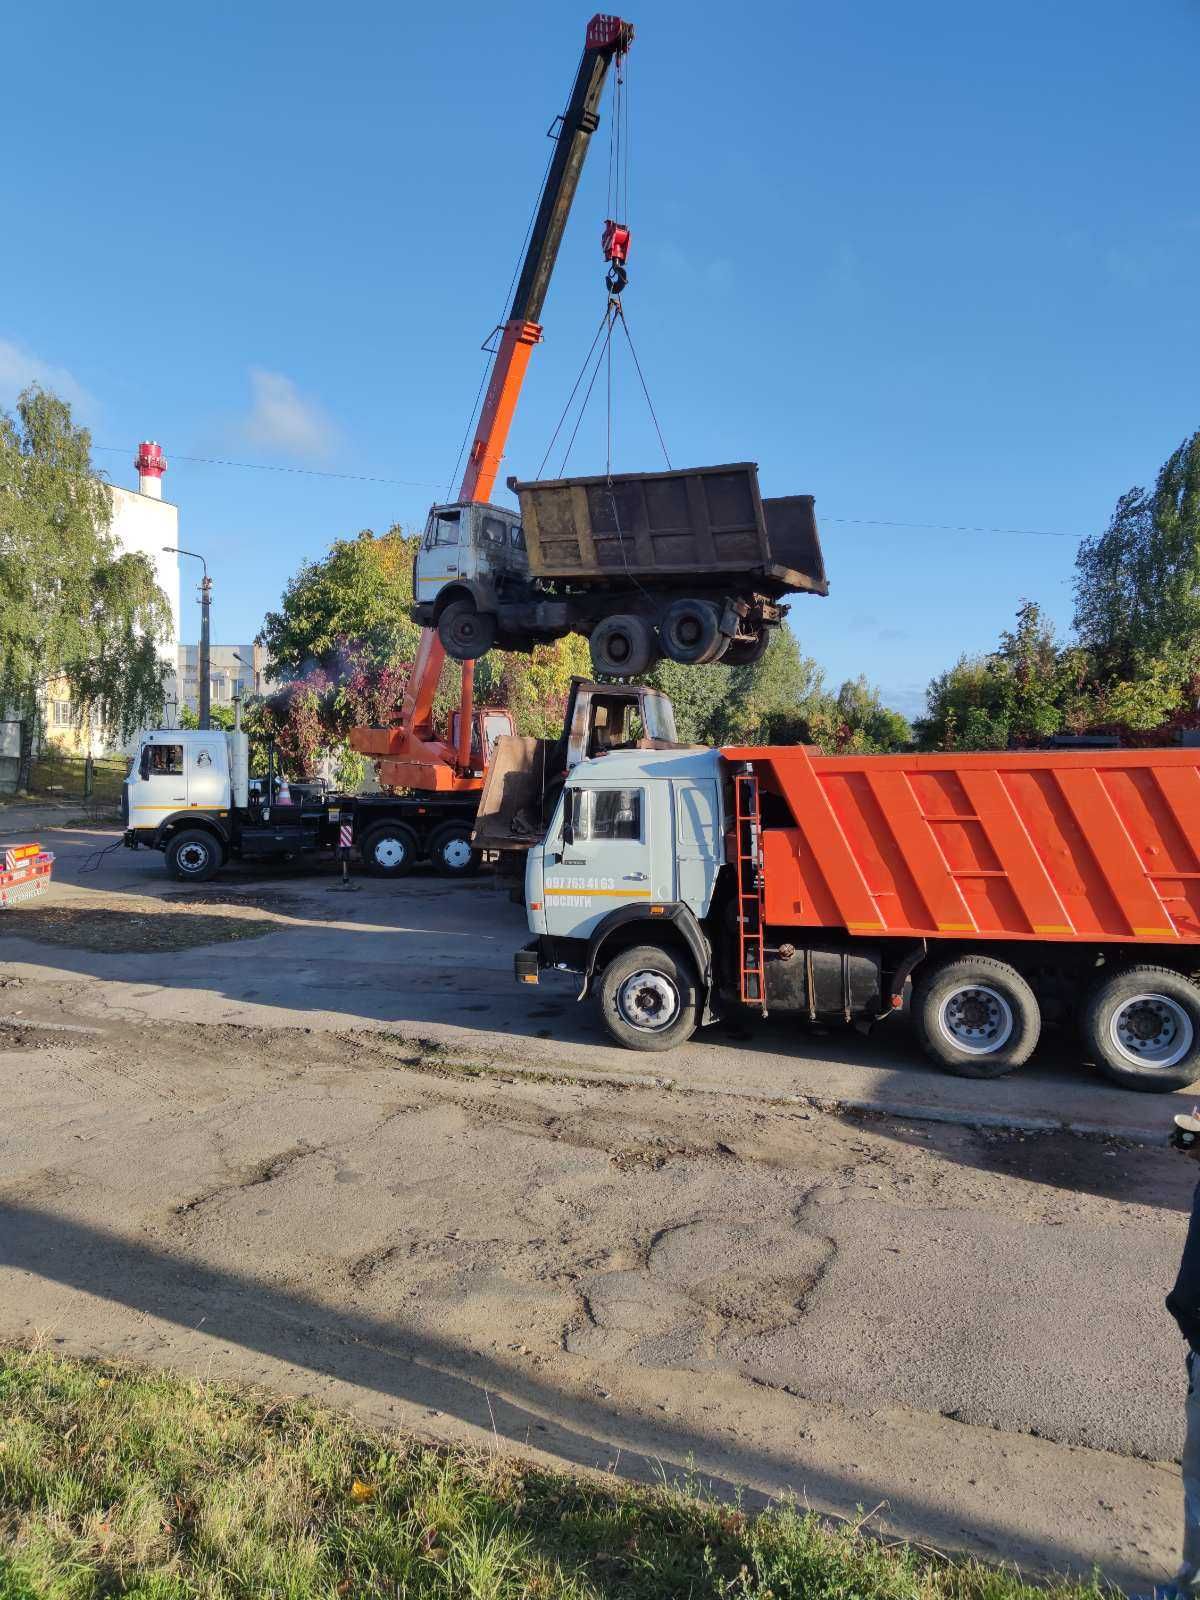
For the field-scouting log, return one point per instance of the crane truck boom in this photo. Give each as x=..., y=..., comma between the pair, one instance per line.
x=410, y=754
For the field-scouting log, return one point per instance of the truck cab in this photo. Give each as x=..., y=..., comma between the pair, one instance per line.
x=469, y=555
x=183, y=794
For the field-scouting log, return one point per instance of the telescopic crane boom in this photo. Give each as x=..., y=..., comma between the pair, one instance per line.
x=410, y=755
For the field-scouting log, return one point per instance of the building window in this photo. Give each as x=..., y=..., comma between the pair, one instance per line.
x=62, y=713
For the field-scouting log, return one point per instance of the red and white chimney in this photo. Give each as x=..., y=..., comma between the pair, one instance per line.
x=151, y=464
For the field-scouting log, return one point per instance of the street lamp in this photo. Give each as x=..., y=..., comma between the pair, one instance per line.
x=205, y=608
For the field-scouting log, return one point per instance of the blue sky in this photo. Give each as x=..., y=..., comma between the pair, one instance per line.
x=933, y=264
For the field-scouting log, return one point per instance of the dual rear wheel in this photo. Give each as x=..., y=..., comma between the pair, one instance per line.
x=392, y=849
x=979, y=1018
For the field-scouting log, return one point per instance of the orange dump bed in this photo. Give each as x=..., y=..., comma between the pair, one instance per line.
x=1103, y=845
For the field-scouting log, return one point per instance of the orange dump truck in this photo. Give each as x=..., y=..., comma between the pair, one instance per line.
x=1010, y=889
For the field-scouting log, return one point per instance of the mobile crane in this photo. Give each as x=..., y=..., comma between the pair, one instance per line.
x=411, y=754
x=189, y=795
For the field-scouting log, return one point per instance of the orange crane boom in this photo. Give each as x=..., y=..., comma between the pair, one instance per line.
x=410, y=755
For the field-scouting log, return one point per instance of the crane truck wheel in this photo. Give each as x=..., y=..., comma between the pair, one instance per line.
x=649, y=998
x=690, y=631
x=194, y=856
x=623, y=646
x=976, y=1016
x=451, y=853
x=466, y=632
x=1141, y=1026
x=390, y=850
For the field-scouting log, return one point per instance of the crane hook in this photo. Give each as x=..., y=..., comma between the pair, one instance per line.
x=614, y=241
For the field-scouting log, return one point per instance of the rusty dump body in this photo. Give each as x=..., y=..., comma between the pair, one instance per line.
x=1102, y=847
x=661, y=526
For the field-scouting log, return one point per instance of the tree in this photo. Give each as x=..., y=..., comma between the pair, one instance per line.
x=73, y=606
x=354, y=602
x=1014, y=695
x=1137, y=585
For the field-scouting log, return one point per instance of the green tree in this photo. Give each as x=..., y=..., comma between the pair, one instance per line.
x=1137, y=585
x=73, y=607
x=1014, y=695
x=354, y=600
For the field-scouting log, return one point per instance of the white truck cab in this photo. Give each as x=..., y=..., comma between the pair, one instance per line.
x=634, y=829
x=467, y=553
x=183, y=790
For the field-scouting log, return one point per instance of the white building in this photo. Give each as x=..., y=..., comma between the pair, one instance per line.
x=142, y=522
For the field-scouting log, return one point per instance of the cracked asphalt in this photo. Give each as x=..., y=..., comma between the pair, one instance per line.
x=440, y=1220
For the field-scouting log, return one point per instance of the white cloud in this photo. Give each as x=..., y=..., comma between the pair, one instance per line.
x=282, y=419
x=20, y=367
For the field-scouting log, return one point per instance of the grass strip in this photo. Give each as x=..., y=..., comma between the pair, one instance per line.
x=117, y=1481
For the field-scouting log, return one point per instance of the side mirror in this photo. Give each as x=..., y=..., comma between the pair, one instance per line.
x=570, y=816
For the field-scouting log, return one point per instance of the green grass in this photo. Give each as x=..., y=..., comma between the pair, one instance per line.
x=59, y=776
x=119, y=1482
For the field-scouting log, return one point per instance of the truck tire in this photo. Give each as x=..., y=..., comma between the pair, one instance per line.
x=1141, y=1026
x=451, y=853
x=466, y=632
x=690, y=631
x=194, y=856
x=389, y=850
x=623, y=647
x=976, y=1016
x=649, y=998
x=745, y=652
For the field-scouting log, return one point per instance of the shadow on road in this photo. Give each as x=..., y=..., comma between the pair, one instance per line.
x=387, y=1359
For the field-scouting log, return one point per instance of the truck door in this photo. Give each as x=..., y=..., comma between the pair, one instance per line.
x=604, y=856
x=697, y=843
x=440, y=558
x=162, y=784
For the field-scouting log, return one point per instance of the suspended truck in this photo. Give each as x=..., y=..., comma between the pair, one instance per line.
x=1008, y=889
x=688, y=564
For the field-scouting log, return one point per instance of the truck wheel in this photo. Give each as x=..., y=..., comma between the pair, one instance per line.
x=451, y=853
x=623, y=647
x=1141, y=1026
x=648, y=998
x=976, y=1017
x=390, y=850
x=466, y=632
x=745, y=652
x=690, y=631
x=194, y=856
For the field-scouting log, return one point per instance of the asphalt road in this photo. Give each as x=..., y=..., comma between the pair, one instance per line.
x=348, y=1156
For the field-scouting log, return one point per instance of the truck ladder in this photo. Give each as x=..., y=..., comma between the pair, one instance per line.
x=752, y=986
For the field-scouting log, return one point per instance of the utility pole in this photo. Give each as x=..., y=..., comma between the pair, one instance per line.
x=205, y=644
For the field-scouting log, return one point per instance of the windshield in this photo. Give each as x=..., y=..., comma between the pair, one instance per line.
x=659, y=715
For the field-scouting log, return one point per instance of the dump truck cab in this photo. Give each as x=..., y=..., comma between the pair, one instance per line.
x=469, y=555
x=637, y=835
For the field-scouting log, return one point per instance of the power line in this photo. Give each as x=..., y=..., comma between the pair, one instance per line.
x=955, y=527
x=262, y=466
x=415, y=483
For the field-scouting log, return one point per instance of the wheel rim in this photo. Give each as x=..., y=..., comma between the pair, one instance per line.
x=193, y=857
x=456, y=853
x=1151, y=1030
x=617, y=647
x=687, y=631
x=389, y=852
x=976, y=1019
x=465, y=630
x=648, y=1000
